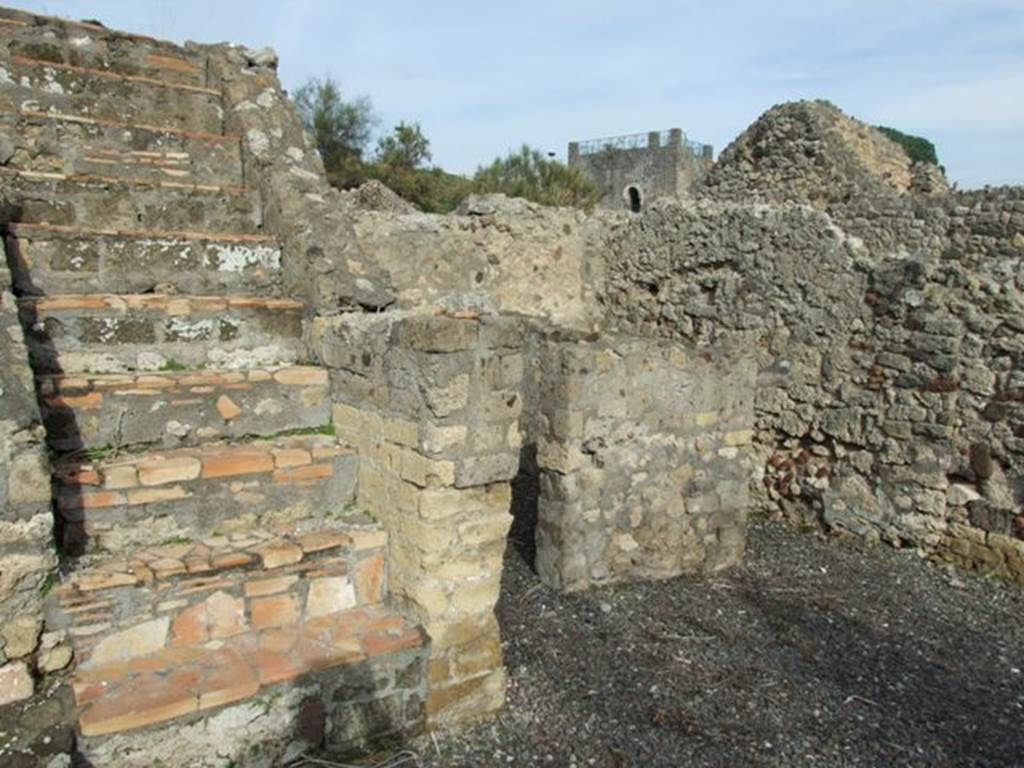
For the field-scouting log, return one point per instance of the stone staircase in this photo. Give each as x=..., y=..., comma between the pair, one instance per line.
x=203, y=505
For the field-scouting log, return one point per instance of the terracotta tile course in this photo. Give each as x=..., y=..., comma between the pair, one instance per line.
x=265, y=587
x=144, y=701
x=231, y=680
x=318, y=541
x=120, y=477
x=173, y=551
x=89, y=582
x=204, y=586
x=369, y=578
x=89, y=500
x=166, y=567
x=378, y=643
x=308, y=474
x=109, y=74
x=84, y=605
x=226, y=560
x=89, y=232
x=275, y=667
x=368, y=538
x=140, y=496
x=278, y=553
x=85, y=402
x=241, y=461
x=143, y=573
x=278, y=640
x=291, y=457
x=276, y=611
x=198, y=564
x=177, y=680
x=301, y=376
x=90, y=630
x=160, y=470
x=316, y=656
x=69, y=301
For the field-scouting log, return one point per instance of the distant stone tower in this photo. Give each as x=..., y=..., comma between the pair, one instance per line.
x=636, y=169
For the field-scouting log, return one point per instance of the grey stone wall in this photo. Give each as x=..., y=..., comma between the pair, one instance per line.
x=884, y=322
x=642, y=454
x=321, y=259
x=27, y=556
x=493, y=254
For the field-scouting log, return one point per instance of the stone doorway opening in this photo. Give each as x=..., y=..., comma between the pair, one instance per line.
x=635, y=199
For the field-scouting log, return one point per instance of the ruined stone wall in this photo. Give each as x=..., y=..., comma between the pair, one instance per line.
x=321, y=259
x=494, y=254
x=885, y=325
x=641, y=455
x=781, y=284
x=810, y=152
x=27, y=557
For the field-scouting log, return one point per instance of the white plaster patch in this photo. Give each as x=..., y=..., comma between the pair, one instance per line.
x=50, y=84
x=267, y=98
x=268, y=407
x=251, y=358
x=239, y=258
x=258, y=142
x=108, y=328
x=150, y=361
x=190, y=330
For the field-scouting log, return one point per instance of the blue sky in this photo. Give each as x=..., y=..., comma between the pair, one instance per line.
x=484, y=77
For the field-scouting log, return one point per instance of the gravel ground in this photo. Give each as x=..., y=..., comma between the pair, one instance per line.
x=814, y=653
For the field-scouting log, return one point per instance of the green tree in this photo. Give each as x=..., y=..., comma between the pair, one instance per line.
x=400, y=163
x=529, y=174
x=405, y=147
x=341, y=127
x=918, y=148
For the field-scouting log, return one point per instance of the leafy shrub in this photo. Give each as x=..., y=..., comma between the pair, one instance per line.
x=529, y=174
x=340, y=127
x=918, y=149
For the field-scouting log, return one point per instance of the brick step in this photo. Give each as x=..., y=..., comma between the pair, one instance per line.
x=27, y=114
x=372, y=651
x=183, y=408
x=110, y=333
x=197, y=591
x=84, y=45
x=72, y=77
x=43, y=261
x=28, y=230
x=41, y=86
x=122, y=502
x=105, y=203
x=73, y=147
x=79, y=34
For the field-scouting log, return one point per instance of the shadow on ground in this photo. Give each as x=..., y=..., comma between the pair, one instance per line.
x=815, y=653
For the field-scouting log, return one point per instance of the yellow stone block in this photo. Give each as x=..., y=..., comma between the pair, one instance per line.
x=738, y=437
